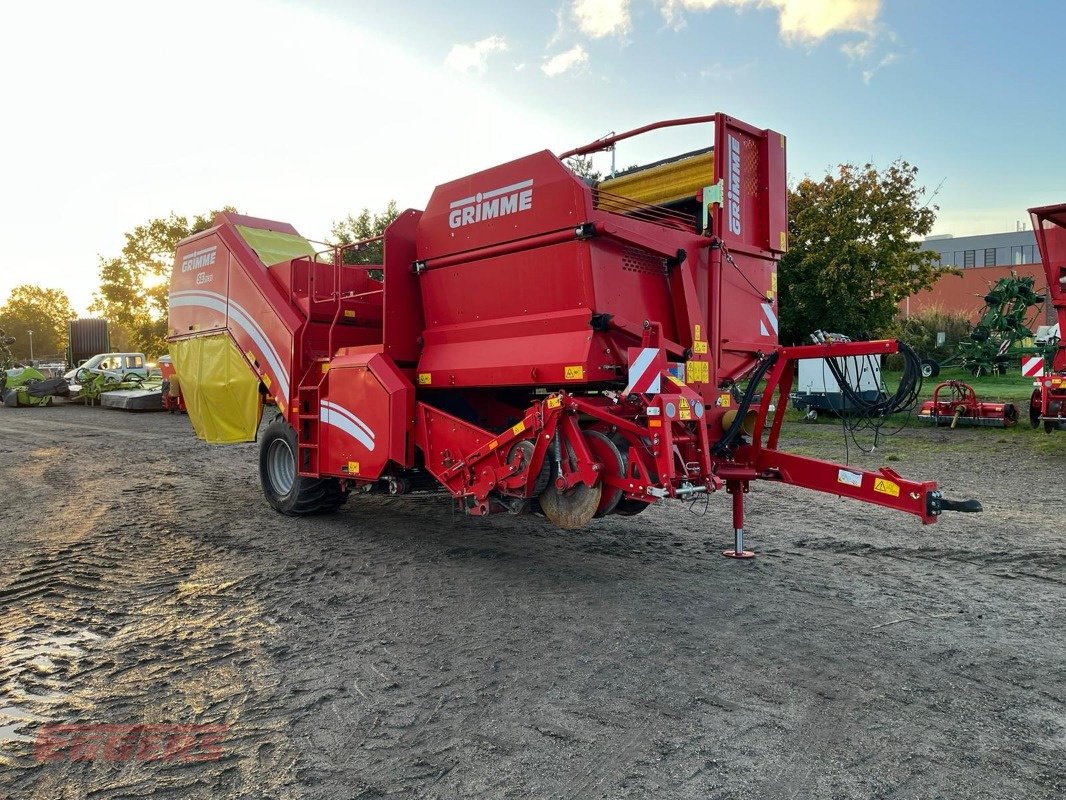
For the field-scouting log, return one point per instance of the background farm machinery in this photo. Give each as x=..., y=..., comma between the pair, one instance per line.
x=529, y=342
x=1004, y=335
x=1001, y=336
x=1047, y=406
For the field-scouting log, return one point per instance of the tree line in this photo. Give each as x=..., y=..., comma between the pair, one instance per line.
x=853, y=256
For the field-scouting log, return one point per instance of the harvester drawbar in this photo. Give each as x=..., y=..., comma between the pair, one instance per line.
x=529, y=343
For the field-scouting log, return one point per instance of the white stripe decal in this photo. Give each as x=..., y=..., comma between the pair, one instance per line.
x=339, y=409
x=640, y=366
x=330, y=415
x=771, y=317
x=242, y=320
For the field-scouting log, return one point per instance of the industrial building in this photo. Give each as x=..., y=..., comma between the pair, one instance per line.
x=982, y=259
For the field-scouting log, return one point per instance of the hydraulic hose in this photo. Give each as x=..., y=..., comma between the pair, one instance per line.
x=721, y=447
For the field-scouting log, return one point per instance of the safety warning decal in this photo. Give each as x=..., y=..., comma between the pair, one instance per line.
x=885, y=486
x=698, y=371
x=849, y=478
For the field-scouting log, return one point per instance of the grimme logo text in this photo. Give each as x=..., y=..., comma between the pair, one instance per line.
x=734, y=186
x=489, y=205
x=199, y=259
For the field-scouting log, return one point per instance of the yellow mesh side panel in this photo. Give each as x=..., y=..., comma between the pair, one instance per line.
x=273, y=247
x=221, y=391
x=666, y=183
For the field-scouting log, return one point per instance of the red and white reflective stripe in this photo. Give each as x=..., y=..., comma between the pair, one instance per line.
x=1032, y=366
x=768, y=322
x=645, y=375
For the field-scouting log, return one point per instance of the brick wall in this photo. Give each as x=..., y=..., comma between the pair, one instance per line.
x=966, y=292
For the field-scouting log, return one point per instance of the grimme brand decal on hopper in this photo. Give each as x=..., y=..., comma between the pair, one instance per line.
x=489, y=205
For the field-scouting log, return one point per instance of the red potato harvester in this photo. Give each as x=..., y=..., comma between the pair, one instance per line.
x=528, y=342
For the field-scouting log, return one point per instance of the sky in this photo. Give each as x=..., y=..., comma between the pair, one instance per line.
x=304, y=111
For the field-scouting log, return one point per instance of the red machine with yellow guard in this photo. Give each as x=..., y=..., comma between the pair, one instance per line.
x=528, y=342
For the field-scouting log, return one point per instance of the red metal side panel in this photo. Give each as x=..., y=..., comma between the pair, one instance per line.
x=751, y=223
x=632, y=283
x=520, y=318
x=367, y=414
x=255, y=320
x=537, y=281
x=551, y=349
x=532, y=195
x=403, y=323
x=228, y=287
x=199, y=285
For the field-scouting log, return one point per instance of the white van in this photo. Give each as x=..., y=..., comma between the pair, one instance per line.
x=117, y=365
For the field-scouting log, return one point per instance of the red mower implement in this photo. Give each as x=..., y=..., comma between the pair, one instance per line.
x=955, y=403
x=528, y=343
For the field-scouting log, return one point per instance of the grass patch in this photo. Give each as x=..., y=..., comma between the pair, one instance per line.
x=818, y=438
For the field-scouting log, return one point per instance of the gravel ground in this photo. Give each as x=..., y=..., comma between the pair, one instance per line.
x=396, y=649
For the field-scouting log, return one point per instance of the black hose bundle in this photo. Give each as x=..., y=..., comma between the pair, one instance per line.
x=721, y=447
x=861, y=413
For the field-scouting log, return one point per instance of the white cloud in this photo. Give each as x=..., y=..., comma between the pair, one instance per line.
x=867, y=74
x=566, y=61
x=599, y=18
x=858, y=51
x=474, y=57
x=798, y=20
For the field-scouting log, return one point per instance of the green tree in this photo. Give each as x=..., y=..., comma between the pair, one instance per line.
x=364, y=225
x=134, y=286
x=45, y=312
x=853, y=250
x=582, y=167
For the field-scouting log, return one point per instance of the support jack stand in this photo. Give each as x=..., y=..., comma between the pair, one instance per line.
x=737, y=489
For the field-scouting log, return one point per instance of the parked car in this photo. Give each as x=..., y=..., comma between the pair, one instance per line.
x=117, y=365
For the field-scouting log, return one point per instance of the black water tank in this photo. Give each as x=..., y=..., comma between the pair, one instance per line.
x=87, y=338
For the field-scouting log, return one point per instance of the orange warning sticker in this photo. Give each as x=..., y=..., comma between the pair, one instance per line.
x=517, y=429
x=425, y=378
x=555, y=402
x=885, y=486
x=353, y=467
x=575, y=373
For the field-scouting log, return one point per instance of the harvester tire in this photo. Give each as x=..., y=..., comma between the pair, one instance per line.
x=930, y=368
x=287, y=492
